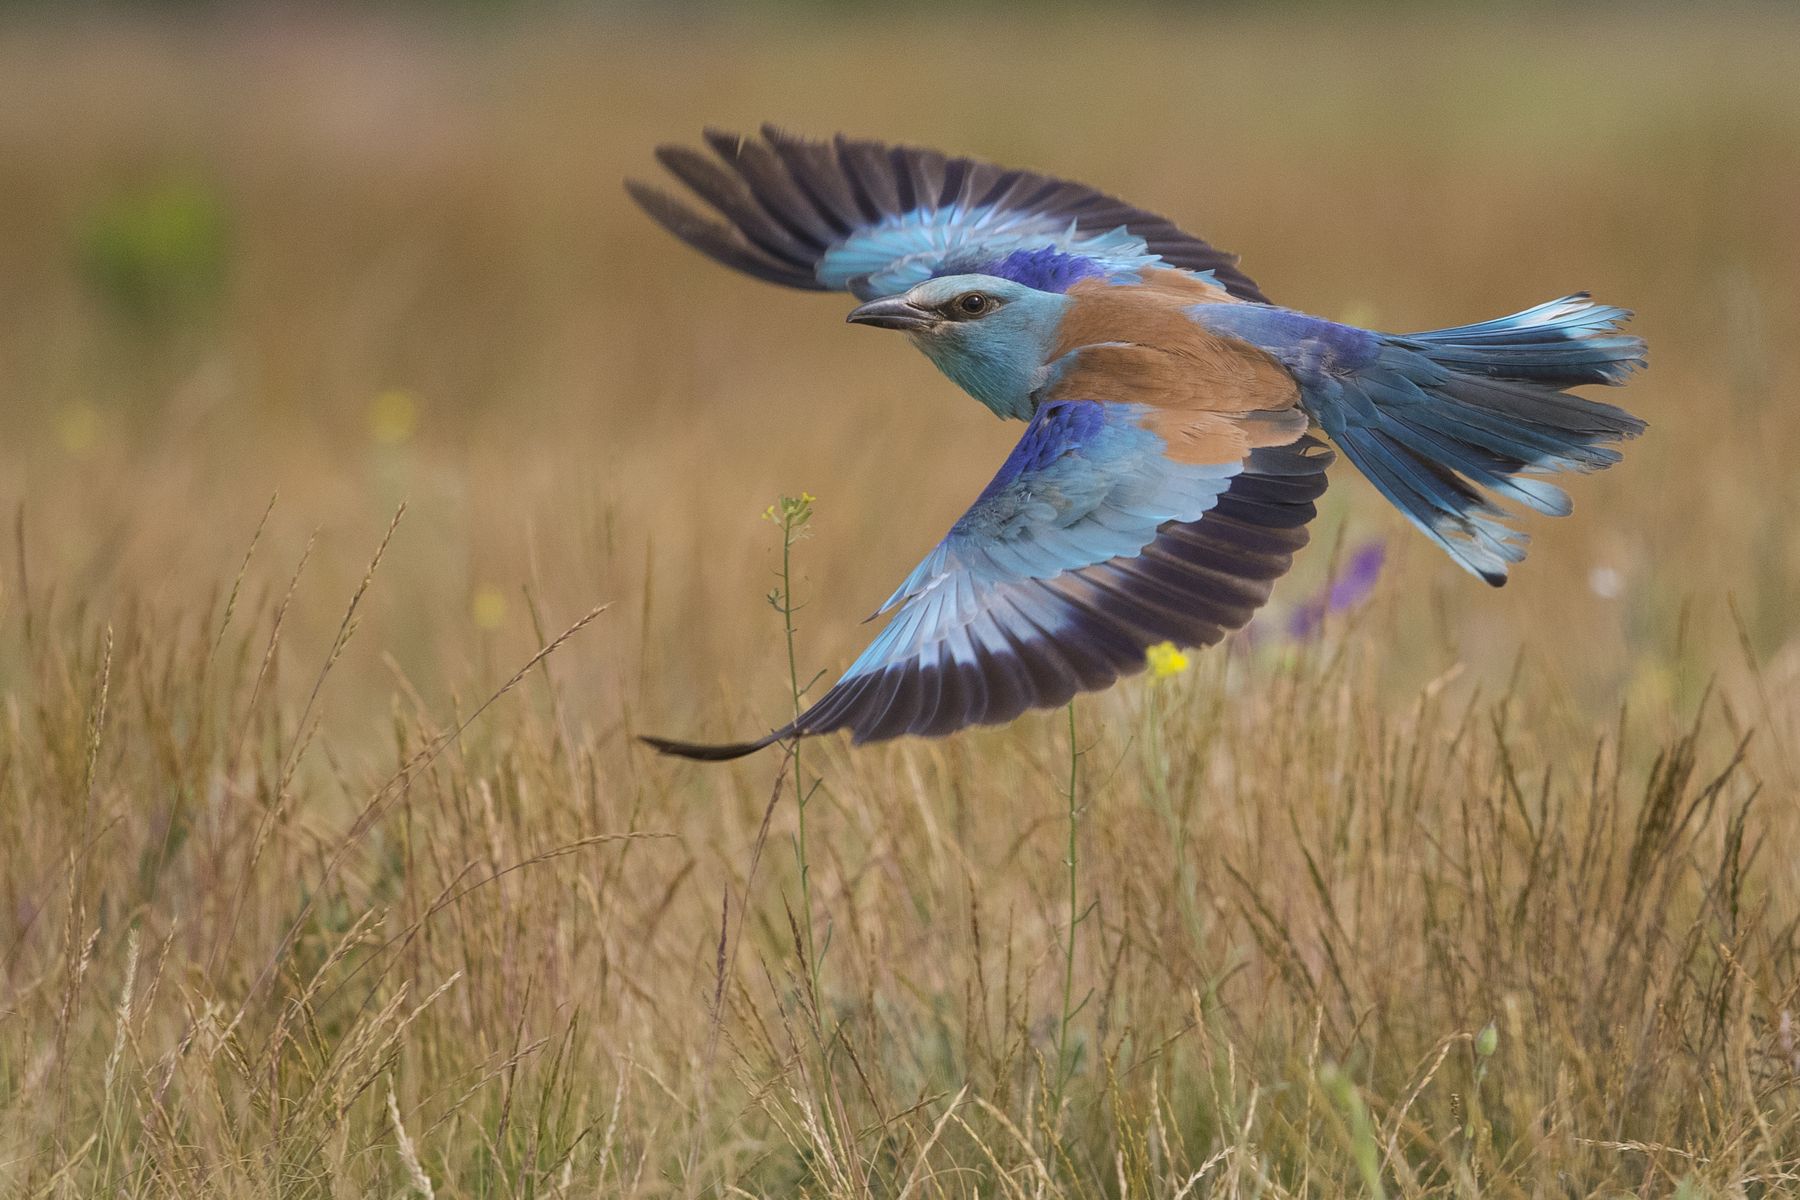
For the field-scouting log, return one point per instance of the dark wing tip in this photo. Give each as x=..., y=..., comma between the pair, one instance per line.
x=717, y=240
x=726, y=143
x=662, y=208
x=705, y=752
x=637, y=189
x=667, y=153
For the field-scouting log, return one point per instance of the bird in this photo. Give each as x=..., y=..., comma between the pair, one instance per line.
x=1178, y=423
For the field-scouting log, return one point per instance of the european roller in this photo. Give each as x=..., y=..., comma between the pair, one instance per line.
x=1171, y=456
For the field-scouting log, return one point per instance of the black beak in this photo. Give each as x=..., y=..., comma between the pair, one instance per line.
x=892, y=312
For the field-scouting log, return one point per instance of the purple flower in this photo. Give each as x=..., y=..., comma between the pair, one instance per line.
x=1348, y=588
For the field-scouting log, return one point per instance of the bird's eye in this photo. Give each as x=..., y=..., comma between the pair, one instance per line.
x=973, y=304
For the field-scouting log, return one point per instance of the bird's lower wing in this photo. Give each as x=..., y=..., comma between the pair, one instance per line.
x=1090, y=546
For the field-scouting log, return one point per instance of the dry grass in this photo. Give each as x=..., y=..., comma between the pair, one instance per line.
x=320, y=881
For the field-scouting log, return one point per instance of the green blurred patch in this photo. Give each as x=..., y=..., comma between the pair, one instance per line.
x=157, y=254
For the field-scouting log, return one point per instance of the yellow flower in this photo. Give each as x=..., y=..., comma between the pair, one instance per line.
x=488, y=607
x=1166, y=659
x=393, y=417
x=78, y=428
x=791, y=512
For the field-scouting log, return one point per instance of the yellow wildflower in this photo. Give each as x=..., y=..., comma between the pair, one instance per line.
x=1166, y=659
x=393, y=417
x=488, y=607
x=791, y=512
x=78, y=428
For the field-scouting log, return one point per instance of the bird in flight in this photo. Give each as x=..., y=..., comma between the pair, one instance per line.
x=1171, y=455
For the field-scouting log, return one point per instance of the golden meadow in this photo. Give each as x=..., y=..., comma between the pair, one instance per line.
x=319, y=880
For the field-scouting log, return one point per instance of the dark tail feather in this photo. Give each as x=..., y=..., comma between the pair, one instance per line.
x=822, y=717
x=1442, y=422
x=705, y=752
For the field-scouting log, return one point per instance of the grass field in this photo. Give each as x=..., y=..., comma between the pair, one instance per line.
x=320, y=880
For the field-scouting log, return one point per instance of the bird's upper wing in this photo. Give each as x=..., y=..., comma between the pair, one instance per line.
x=1095, y=542
x=875, y=220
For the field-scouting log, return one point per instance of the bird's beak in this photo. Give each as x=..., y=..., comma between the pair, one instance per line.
x=892, y=312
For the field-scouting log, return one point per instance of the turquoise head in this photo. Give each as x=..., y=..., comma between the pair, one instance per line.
x=993, y=336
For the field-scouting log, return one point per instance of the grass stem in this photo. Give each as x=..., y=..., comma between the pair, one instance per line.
x=1072, y=860
x=792, y=514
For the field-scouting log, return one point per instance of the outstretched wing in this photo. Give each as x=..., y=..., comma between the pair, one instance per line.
x=875, y=220
x=1091, y=545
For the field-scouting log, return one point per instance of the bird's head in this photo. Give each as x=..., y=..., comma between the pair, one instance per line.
x=991, y=335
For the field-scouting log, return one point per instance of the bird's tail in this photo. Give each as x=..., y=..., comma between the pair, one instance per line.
x=1443, y=422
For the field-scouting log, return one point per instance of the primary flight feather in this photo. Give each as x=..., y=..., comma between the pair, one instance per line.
x=1169, y=463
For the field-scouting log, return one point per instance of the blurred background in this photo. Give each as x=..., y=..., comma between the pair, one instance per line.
x=355, y=259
